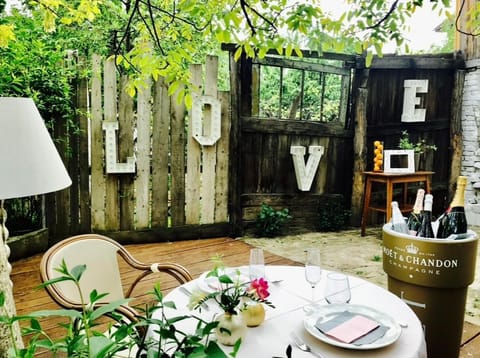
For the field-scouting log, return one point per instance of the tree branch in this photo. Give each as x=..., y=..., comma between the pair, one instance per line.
x=387, y=15
x=174, y=16
x=127, y=28
x=457, y=24
x=245, y=6
x=155, y=33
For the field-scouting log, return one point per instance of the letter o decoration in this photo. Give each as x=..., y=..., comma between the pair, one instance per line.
x=210, y=135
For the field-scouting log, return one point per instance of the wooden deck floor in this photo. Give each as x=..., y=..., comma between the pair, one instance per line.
x=193, y=254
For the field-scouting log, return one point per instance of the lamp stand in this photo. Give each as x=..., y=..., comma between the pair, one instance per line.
x=6, y=286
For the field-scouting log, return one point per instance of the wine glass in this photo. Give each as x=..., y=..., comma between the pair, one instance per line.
x=313, y=272
x=257, y=264
x=337, y=288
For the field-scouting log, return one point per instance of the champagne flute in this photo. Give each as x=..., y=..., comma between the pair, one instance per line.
x=313, y=272
x=257, y=264
x=337, y=288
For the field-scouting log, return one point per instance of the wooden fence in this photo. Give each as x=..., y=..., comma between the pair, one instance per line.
x=264, y=167
x=183, y=190
x=176, y=181
x=379, y=101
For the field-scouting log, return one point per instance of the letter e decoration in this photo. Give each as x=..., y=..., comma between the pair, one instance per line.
x=410, y=100
x=112, y=166
x=306, y=173
x=206, y=131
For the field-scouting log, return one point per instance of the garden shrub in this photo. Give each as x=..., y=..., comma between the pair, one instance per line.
x=270, y=221
x=332, y=214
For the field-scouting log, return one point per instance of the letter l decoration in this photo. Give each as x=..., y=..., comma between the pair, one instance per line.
x=306, y=172
x=112, y=166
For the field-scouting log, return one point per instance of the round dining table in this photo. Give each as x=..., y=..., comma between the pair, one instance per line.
x=292, y=297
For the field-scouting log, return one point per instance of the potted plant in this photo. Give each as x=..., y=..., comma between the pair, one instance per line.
x=83, y=339
x=421, y=149
x=241, y=301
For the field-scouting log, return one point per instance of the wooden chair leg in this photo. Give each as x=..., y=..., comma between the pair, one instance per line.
x=389, y=201
x=366, y=205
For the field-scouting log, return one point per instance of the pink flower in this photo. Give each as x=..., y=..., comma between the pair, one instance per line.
x=259, y=286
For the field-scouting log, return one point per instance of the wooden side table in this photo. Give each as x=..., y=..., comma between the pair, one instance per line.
x=390, y=179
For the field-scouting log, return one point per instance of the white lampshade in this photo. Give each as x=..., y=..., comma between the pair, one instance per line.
x=29, y=161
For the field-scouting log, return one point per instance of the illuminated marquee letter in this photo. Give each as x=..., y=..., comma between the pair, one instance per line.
x=112, y=165
x=206, y=135
x=306, y=173
x=410, y=100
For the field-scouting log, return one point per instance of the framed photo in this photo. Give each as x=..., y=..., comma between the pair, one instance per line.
x=399, y=161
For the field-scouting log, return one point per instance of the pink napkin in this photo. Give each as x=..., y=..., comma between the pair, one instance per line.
x=352, y=329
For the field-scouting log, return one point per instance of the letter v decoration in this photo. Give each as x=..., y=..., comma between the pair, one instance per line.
x=112, y=166
x=207, y=131
x=306, y=173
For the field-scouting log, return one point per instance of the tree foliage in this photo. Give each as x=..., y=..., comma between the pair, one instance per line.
x=319, y=94
x=154, y=38
x=33, y=67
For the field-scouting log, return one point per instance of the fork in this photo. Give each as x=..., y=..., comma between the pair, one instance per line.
x=304, y=346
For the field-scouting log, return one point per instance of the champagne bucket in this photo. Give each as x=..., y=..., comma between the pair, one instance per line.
x=432, y=276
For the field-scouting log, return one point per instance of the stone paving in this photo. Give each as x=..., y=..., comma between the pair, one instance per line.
x=347, y=251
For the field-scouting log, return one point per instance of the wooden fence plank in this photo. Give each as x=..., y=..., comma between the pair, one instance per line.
x=62, y=197
x=73, y=165
x=98, y=179
x=84, y=220
x=456, y=136
x=126, y=148
x=360, y=147
x=142, y=181
x=221, y=177
x=234, y=192
x=194, y=157
x=209, y=152
x=177, y=163
x=110, y=115
x=160, y=150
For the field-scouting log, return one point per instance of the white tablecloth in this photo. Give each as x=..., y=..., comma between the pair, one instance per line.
x=291, y=295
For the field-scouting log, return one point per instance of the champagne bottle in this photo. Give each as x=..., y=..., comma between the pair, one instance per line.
x=415, y=218
x=425, y=229
x=398, y=222
x=454, y=221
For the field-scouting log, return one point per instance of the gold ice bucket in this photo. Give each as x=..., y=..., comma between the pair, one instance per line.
x=432, y=276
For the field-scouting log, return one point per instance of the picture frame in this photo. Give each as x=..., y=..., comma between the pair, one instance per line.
x=399, y=161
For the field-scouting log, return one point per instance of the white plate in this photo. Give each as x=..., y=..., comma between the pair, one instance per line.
x=327, y=312
x=211, y=284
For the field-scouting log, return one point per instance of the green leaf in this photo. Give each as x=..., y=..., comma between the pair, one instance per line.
x=96, y=297
x=225, y=279
x=214, y=351
x=238, y=53
x=72, y=314
x=170, y=304
x=368, y=59
x=78, y=271
x=107, y=308
x=100, y=345
x=35, y=324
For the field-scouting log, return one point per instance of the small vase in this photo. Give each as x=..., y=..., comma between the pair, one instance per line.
x=253, y=313
x=230, y=328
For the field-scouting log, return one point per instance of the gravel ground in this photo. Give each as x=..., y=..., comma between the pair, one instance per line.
x=347, y=251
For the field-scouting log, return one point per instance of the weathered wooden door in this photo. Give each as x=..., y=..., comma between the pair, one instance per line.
x=283, y=106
